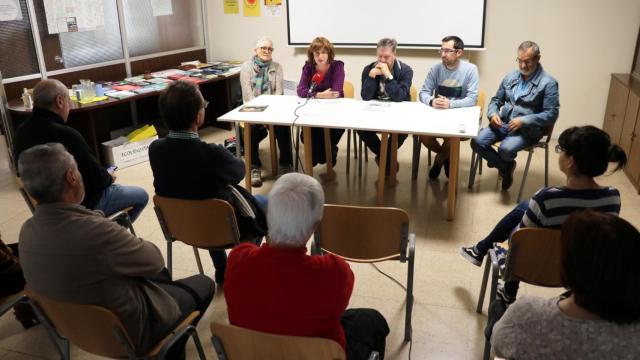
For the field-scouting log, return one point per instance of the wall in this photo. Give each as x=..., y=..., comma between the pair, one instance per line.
x=582, y=43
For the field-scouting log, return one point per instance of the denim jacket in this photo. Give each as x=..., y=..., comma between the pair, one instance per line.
x=537, y=107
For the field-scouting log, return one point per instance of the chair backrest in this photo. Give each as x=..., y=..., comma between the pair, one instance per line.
x=364, y=234
x=91, y=328
x=548, y=131
x=207, y=223
x=247, y=344
x=413, y=93
x=480, y=102
x=534, y=257
x=31, y=202
x=347, y=88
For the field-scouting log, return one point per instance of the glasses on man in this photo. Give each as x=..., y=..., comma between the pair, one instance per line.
x=447, y=51
x=266, y=49
x=559, y=149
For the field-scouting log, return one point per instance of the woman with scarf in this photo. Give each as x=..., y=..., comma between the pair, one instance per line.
x=262, y=75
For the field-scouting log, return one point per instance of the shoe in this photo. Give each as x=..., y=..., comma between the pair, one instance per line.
x=284, y=169
x=446, y=168
x=507, y=176
x=501, y=295
x=501, y=256
x=256, y=177
x=435, y=170
x=471, y=255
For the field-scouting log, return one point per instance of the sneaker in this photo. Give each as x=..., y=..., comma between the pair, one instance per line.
x=435, y=170
x=501, y=295
x=284, y=169
x=446, y=168
x=507, y=176
x=501, y=255
x=256, y=177
x=471, y=255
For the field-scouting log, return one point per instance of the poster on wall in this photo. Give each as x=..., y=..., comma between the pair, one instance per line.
x=10, y=10
x=273, y=7
x=251, y=7
x=73, y=15
x=161, y=7
x=231, y=6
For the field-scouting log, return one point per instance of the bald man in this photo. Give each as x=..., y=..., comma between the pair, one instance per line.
x=50, y=112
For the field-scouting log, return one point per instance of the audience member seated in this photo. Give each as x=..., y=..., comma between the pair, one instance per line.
x=258, y=76
x=386, y=79
x=50, y=112
x=585, y=153
x=277, y=288
x=526, y=103
x=453, y=83
x=600, y=317
x=321, y=61
x=185, y=167
x=72, y=254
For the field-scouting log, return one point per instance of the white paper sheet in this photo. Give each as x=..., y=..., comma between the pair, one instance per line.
x=10, y=10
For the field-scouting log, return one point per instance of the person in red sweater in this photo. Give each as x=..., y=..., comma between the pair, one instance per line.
x=277, y=288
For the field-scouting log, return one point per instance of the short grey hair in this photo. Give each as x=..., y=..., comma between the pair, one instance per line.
x=526, y=45
x=42, y=171
x=261, y=40
x=387, y=42
x=296, y=204
x=46, y=92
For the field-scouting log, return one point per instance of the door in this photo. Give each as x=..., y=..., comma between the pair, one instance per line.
x=615, y=111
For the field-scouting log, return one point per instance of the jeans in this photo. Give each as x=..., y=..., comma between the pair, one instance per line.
x=283, y=137
x=503, y=228
x=372, y=141
x=507, y=152
x=117, y=197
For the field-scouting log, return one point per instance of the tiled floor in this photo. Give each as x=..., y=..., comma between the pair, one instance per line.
x=445, y=324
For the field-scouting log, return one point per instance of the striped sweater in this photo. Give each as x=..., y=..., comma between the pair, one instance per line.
x=550, y=206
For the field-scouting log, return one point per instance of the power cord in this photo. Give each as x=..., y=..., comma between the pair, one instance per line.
x=297, y=146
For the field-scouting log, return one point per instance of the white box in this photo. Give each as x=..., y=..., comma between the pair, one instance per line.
x=125, y=155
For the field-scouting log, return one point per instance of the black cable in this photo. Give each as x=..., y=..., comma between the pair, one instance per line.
x=297, y=147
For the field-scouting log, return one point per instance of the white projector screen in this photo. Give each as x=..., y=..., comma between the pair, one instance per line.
x=361, y=23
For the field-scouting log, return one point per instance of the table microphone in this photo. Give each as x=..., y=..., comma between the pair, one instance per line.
x=316, y=79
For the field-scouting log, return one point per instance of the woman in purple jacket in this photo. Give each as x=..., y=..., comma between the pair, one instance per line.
x=320, y=60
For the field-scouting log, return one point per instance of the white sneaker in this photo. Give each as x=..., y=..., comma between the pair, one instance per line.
x=256, y=177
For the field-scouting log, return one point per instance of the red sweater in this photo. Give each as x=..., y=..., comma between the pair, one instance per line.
x=285, y=291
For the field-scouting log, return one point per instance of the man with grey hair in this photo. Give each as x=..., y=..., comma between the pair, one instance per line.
x=50, y=113
x=525, y=106
x=386, y=79
x=76, y=255
x=277, y=288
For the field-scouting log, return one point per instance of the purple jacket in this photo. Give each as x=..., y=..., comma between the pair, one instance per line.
x=333, y=79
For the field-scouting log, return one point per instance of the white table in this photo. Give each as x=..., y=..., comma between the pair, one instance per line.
x=384, y=117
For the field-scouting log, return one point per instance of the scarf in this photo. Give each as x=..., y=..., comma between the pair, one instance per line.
x=260, y=80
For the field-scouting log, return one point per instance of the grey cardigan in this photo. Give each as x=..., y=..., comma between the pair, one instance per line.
x=275, y=77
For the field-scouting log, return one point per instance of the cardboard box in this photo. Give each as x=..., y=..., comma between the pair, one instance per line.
x=122, y=154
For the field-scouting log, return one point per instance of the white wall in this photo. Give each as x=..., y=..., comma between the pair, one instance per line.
x=582, y=43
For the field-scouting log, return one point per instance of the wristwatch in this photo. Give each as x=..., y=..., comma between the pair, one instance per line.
x=390, y=78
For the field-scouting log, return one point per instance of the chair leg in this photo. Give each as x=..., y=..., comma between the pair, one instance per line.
x=487, y=350
x=219, y=348
x=197, y=254
x=61, y=343
x=429, y=157
x=170, y=258
x=475, y=162
x=415, y=162
x=524, y=177
x=355, y=147
x=483, y=287
x=348, y=149
x=409, y=306
x=360, y=144
x=546, y=165
x=196, y=340
x=366, y=152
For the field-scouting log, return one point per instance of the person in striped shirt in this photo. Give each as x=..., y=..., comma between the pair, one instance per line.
x=584, y=153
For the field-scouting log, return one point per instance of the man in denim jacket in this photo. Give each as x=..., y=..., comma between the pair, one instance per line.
x=524, y=106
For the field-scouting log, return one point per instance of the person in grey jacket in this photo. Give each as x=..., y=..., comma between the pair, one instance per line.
x=262, y=75
x=526, y=104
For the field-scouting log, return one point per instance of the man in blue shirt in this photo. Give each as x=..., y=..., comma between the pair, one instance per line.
x=525, y=105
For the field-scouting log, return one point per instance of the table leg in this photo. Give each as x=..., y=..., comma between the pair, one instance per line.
x=393, y=181
x=238, y=137
x=384, y=140
x=454, y=159
x=308, y=160
x=247, y=156
x=273, y=152
x=330, y=175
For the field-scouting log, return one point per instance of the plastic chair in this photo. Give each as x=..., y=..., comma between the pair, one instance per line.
x=476, y=161
x=97, y=330
x=417, y=144
x=233, y=342
x=534, y=257
x=209, y=224
x=369, y=235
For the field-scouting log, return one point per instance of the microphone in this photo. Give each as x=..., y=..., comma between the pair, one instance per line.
x=316, y=79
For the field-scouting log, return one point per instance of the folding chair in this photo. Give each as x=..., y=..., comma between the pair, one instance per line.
x=232, y=342
x=97, y=330
x=533, y=258
x=369, y=235
x=209, y=224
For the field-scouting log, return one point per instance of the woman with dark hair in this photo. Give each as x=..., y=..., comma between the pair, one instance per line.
x=584, y=153
x=321, y=61
x=600, y=317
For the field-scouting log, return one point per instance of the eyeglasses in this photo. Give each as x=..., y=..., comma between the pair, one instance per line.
x=206, y=103
x=447, y=51
x=266, y=49
x=559, y=149
x=526, y=62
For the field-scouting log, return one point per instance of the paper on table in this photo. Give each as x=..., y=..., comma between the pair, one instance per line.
x=10, y=10
x=376, y=106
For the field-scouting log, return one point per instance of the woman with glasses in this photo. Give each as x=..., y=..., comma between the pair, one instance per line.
x=322, y=78
x=584, y=153
x=262, y=75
